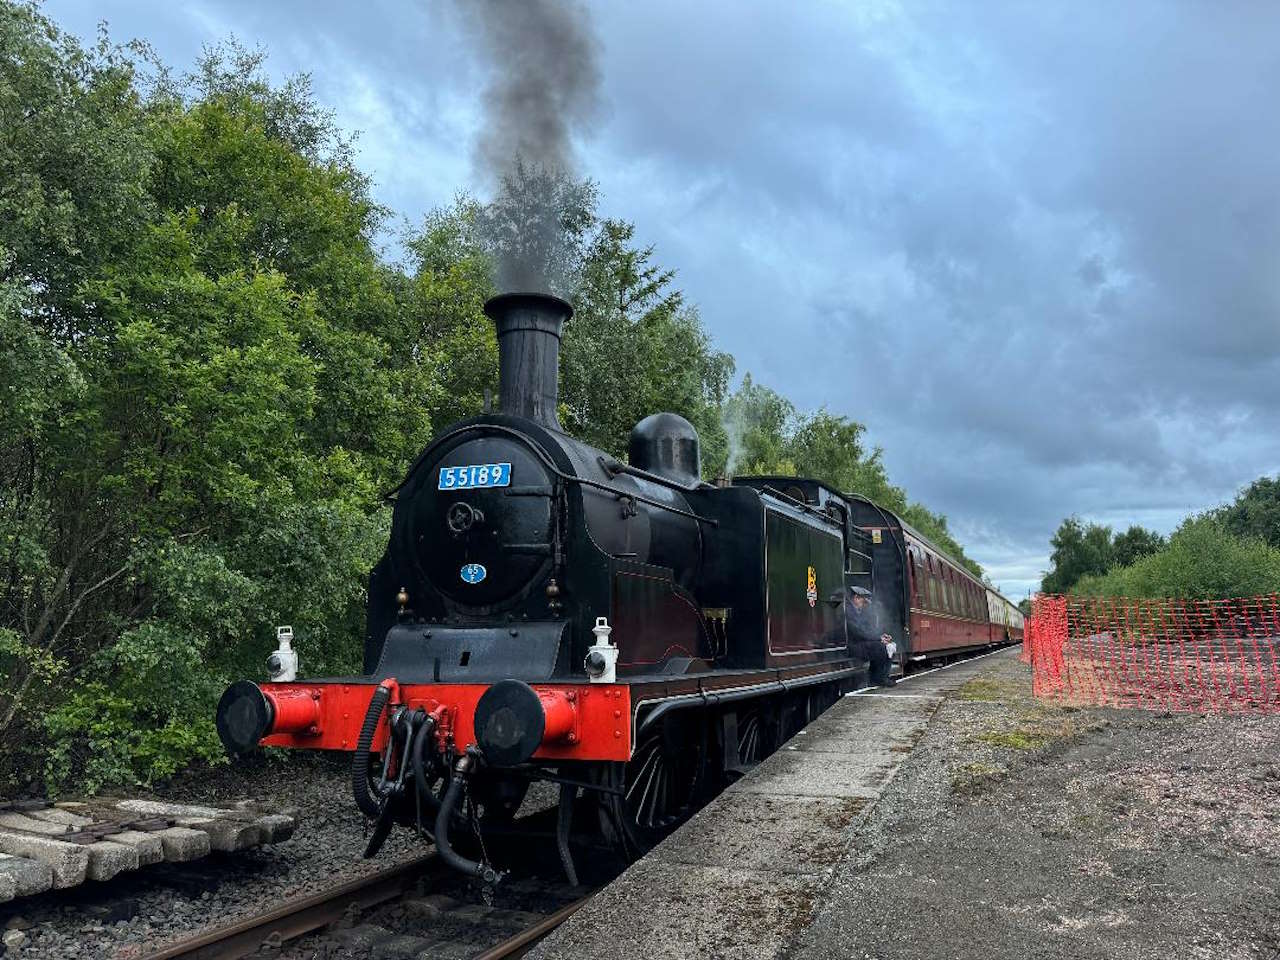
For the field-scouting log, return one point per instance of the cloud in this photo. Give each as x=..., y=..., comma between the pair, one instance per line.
x=1033, y=246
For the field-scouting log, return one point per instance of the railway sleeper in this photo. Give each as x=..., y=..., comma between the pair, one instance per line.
x=46, y=846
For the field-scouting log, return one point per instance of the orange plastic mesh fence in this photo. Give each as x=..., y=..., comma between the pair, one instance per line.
x=1202, y=656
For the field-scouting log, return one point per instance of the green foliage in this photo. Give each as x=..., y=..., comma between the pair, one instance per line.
x=1081, y=550
x=759, y=423
x=1078, y=551
x=634, y=347
x=1134, y=544
x=1256, y=511
x=1203, y=560
x=209, y=379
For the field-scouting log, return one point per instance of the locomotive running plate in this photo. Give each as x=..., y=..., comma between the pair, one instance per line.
x=474, y=475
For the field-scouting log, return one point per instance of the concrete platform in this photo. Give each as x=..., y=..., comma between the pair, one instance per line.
x=743, y=878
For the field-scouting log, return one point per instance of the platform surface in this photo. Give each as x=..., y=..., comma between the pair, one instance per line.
x=743, y=876
x=955, y=816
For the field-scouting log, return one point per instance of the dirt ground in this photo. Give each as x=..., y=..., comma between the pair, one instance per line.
x=1020, y=829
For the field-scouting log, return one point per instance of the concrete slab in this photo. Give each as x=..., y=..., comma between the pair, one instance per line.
x=687, y=912
x=21, y=821
x=181, y=844
x=106, y=859
x=69, y=862
x=227, y=836
x=793, y=773
x=255, y=826
x=149, y=847
x=28, y=876
x=766, y=833
x=275, y=827
x=61, y=816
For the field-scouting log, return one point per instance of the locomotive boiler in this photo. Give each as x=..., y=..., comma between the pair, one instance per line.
x=545, y=611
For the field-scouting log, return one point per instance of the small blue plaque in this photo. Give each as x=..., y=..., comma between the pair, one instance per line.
x=473, y=572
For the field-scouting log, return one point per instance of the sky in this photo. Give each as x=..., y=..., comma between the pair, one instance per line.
x=1034, y=246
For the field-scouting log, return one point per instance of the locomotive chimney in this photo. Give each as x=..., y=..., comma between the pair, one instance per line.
x=529, y=326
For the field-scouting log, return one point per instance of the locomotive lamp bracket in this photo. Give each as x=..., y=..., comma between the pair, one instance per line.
x=282, y=665
x=602, y=656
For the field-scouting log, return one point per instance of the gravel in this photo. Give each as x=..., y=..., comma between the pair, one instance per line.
x=1019, y=829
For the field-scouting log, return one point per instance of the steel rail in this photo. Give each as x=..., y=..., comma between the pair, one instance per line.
x=517, y=945
x=295, y=918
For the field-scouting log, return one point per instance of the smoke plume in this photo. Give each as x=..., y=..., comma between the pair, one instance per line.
x=543, y=90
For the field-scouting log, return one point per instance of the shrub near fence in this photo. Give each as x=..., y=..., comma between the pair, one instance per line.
x=1202, y=656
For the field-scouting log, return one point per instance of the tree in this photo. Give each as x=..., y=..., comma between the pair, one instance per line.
x=212, y=382
x=1134, y=544
x=634, y=346
x=758, y=424
x=1203, y=560
x=1256, y=511
x=1078, y=551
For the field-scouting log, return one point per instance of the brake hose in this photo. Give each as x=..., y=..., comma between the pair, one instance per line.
x=418, y=760
x=365, y=800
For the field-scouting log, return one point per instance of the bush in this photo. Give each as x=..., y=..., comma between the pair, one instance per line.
x=1203, y=561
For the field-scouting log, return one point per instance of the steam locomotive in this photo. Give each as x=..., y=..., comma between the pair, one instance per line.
x=626, y=631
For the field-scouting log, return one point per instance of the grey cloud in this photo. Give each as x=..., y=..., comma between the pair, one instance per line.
x=1032, y=246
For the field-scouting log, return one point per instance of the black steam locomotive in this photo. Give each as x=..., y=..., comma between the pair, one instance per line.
x=545, y=611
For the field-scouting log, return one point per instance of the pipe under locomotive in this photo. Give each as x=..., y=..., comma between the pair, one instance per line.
x=544, y=611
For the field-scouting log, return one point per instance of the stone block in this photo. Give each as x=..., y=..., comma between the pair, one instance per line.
x=65, y=817
x=26, y=876
x=69, y=862
x=22, y=821
x=227, y=836
x=106, y=859
x=149, y=846
x=229, y=830
x=181, y=844
x=766, y=833
x=275, y=827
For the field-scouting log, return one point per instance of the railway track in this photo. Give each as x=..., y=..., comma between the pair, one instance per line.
x=415, y=909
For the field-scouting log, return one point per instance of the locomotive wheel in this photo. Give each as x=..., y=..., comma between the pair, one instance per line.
x=797, y=714
x=658, y=788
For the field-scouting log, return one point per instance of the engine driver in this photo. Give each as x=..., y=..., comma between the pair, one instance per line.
x=860, y=626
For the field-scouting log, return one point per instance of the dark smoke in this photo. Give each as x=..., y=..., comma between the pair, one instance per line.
x=544, y=87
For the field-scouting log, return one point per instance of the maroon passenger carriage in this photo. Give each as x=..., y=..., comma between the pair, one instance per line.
x=928, y=601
